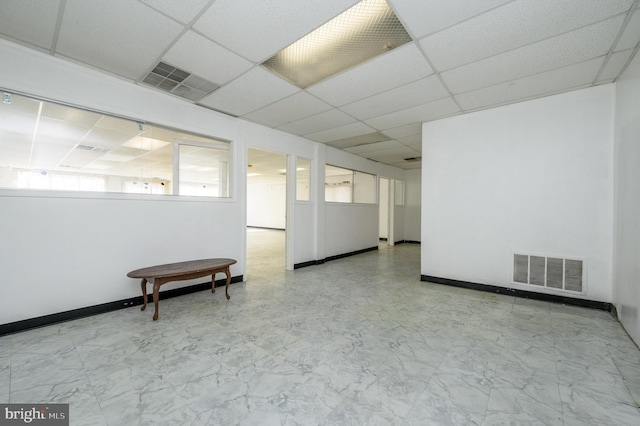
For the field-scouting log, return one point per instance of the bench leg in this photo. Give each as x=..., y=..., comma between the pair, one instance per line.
x=156, y=296
x=143, y=284
x=226, y=290
x=213, y=282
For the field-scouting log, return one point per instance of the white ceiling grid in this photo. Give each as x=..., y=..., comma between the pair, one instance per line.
x=465, y=55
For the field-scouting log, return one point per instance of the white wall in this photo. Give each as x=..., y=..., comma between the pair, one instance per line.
x=350, y=227
x=383, y=202
x=65, y=251
x=626, y=275
x=398, y=222
x=266, y=204
x=413, y=185
x=534, y=177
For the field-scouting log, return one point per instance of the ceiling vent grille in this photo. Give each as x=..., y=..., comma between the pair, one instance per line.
x=550, y=272
x=179, y=82
x=92, y=148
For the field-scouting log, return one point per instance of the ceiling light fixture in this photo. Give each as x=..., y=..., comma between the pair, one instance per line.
x=366, y=30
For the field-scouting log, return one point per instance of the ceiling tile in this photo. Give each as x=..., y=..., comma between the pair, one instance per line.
x=421, y=113
x=412, y=94
x=342, y=132
x=400, y=66
x=183, y=11
x=30, y=21
x=371, y=147
x=295, y=107
x=514, y=25
x=119, y=36
x=249, y=92
x=407, y=165
x=266, y=26
x=391, y=155
x=414, y=141
x=552, y=53
x=359, y=140
x=428, y=16
x=614, y=65
x=316, y=123
x=577, y=75
x=404, y=131
x=204, y=58
x=631, y=34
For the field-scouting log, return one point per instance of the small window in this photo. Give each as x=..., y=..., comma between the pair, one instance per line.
x=47, y=146
x=303, y=179
x=399, y=193
x=364, y=188
x=349, y=186
x=203, y=169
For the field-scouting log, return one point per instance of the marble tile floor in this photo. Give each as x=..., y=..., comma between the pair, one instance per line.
x=355, y=341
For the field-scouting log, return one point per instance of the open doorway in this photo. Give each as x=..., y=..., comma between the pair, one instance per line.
x=266, y=212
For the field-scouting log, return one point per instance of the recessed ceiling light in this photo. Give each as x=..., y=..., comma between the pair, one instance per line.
x=366, y=30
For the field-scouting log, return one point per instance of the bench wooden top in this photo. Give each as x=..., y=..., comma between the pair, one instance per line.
x=181, y=268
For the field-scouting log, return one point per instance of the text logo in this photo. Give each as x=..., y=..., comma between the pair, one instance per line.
x=34, y=414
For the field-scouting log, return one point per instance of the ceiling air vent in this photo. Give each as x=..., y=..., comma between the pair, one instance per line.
x=179, y=82
x=92, y=148
x=413, y=159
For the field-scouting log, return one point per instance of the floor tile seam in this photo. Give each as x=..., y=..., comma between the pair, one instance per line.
x=95, y=395
x=10, y=379
x=493, y=382
x=624, y=381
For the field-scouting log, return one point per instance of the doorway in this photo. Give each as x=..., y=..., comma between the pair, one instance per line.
x=266, y=212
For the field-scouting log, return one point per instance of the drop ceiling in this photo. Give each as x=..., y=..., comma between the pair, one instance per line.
x=464, y=56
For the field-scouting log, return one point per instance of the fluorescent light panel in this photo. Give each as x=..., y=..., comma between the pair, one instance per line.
x=368, y=29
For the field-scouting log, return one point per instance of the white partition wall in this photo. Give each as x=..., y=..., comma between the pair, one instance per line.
x=67, y=252
x=534, y=178
x=412, y=205
x=626, y=276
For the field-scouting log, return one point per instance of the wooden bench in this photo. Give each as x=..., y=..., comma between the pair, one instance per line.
x=161, y=274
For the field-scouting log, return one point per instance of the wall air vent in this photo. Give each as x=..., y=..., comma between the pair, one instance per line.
x=550, y=272
x=179, y=82
x=413, y=159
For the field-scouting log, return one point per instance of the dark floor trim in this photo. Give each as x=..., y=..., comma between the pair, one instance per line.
x=42, y=321
x=327, y=259
x=605, y=306
x=309, y=263
x=352, y=253
x=408, y=242
x=266, y=227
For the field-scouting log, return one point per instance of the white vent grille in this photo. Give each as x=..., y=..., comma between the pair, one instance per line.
x=92, y=148
x=179, y=82
x=551, y=272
